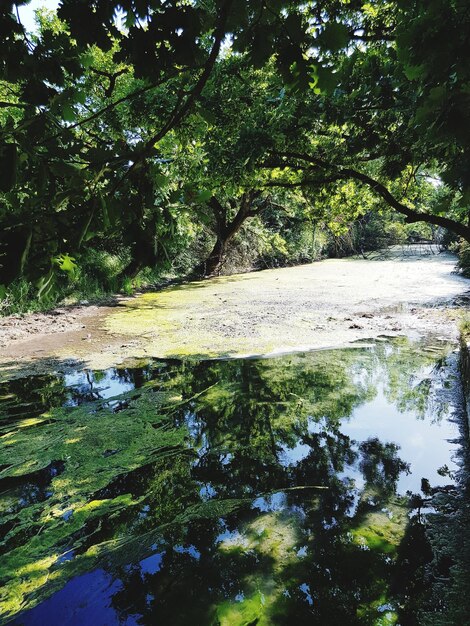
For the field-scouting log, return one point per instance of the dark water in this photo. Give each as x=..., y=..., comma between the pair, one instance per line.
x=291, y=490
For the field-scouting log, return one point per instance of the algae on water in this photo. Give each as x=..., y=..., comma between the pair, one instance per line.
x=234, y=477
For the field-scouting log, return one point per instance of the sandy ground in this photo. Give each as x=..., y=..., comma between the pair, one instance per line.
x=326, y=304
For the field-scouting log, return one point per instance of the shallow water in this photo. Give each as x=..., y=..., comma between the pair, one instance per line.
x=256, y=491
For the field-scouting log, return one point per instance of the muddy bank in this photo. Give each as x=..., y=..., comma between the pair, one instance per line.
x=18, y=328
x=326, y=304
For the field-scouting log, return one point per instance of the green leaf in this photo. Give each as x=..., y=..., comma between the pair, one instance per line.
x=437, y=94
x=66, y=263
x=68, y=113
x=204, y=196
x=89, y=235
x=62, y=169
x=412, y=72
x=45, y=285
x=207, y=116
x=326, y=80
x=80, y=96
x=86, y=59
x=61, y=201
x=161, y=180
x=334, y=36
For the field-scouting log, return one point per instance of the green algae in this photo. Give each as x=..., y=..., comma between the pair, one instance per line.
x=273, y=537
x=253, y=609
x=382, y=529
x=184, y=458
x=80, y=438
x=206, y=318
x=262, y=313
x=171, y=324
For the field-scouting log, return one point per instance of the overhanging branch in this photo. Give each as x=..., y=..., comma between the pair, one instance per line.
x=179, y=114
x=412, y=216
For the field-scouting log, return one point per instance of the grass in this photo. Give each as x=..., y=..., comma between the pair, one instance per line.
x=464, y=327
x=98, y=276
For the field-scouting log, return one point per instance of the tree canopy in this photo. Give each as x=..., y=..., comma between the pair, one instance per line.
x=135, y=123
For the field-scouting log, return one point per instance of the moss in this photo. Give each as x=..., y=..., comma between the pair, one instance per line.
x=464, y=328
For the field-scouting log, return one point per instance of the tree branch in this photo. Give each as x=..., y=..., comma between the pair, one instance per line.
x=196, y=91
x=108, y=92
x=412, y=216
x=219, y=34
x=373, y=37
x=219, y=213
x=111, y=105
x=302, y=156
x=305, y=182
x=19, y=105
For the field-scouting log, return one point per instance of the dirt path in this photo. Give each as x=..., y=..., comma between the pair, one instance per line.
x=312, y=306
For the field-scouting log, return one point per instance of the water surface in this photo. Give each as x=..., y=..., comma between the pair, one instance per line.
x=287, y=490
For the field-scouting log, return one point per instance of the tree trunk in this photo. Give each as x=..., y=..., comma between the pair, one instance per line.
x=132, y=268
x=15, y=244
x=213, y=264
x=142, y=253
x=227, y=230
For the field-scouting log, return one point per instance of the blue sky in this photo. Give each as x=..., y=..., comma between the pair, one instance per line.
x=27, y=11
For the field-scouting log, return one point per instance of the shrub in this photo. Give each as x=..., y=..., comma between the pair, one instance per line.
x=463, y=263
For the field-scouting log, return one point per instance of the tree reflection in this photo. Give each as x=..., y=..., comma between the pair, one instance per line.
x=252, y=506
x=246, y=433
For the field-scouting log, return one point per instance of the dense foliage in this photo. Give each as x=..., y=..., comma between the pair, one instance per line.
x=154, y=134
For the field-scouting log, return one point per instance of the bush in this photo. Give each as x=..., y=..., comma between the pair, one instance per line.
x=18, y=298
x=463, y=263
x=96, y=274
x=258, y=246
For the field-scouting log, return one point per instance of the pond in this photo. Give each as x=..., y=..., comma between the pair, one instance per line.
x=289, y=490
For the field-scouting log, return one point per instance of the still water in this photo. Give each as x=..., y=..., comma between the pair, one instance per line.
x=289, y=490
